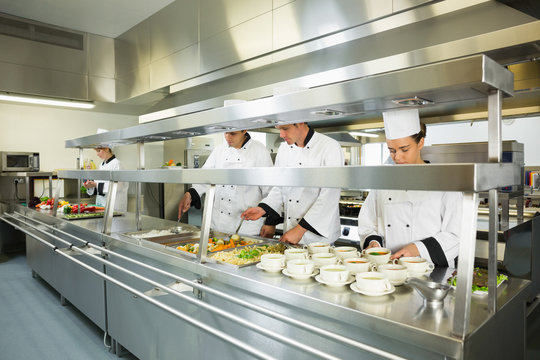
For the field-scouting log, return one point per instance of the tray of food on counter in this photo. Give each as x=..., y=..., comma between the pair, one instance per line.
x=166, y=236
x=248, y=255
x=88, y=215
x=218, y=242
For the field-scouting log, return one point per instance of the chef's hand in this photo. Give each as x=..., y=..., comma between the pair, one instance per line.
x=184, y=205
x=294, y=235
x=407, y=250
x=89, y=184
x=373, y=243
x=268, y=231
x=253, y=213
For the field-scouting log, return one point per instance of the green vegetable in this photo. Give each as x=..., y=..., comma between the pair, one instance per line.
x=178, y=164
x=67, y=209
x=44, y=198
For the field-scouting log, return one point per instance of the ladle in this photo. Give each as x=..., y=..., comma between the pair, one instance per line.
x=432, y=292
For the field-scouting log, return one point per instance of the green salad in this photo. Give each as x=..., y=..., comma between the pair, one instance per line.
x=480, y=279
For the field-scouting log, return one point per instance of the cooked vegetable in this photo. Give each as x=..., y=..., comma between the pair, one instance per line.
x=480, y=279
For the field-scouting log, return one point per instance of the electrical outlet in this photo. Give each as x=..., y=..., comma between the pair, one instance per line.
x=19, y=181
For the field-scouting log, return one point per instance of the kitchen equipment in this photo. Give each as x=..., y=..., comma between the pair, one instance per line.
x=432, y=292
x=19, y=161
x=238, y=228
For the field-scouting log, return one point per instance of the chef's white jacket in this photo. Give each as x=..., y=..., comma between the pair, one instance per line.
x=102, y=187
x=429, y=219
x=319, y=207
x=231, y=200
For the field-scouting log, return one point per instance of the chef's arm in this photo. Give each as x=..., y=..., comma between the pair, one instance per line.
x=368, y=223
x=443, y=247
x=195, y=198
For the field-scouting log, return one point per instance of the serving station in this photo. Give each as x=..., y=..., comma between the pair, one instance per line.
x=159, y=303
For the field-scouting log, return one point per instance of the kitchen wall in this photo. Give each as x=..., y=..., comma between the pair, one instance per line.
x=523, y=130
x=45, y=129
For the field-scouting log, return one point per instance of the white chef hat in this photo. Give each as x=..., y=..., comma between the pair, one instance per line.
x=401, y=123
x=101, y=131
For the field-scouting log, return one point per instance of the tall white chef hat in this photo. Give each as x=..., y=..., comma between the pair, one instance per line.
x=401, y=123
x=101, y=131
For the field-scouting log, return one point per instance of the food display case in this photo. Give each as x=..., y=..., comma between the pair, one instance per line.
x=160, y=303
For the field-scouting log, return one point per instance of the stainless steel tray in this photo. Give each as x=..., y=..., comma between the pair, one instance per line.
x=190, y=233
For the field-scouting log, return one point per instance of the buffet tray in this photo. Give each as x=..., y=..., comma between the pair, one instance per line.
x=90, y=215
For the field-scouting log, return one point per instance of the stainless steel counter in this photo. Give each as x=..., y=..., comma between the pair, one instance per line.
x=398, y=323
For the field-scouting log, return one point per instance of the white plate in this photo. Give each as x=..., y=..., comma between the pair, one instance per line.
x=335, y=284
x=299, y=276
x=355, y=288
x=272, y=270
x=480, y=292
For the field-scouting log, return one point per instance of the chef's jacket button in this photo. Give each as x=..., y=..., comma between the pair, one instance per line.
x=238, y=159
x=300, y=163
x=388, y=225
x=389, y=199
x=290, y=200
x=407, y=225
x=229, y=199
x=297, y=201
x=307, y=147
x=221, y=198
x=297, y=219
x=291, y=146
x=222, y=212
x=288, y=218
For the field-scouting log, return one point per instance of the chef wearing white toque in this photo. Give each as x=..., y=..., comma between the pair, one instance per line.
x=411, y=223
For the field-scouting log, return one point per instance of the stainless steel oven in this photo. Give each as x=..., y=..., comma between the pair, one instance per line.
x=19, y=161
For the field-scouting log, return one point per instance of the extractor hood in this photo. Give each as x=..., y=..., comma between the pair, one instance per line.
x=443, y=83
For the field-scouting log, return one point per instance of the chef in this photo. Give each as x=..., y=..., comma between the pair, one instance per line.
x=411, y=223
x=100, y=187
x=310, y=214
x=238, y=151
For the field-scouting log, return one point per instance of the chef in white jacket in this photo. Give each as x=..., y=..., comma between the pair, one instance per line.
x=101, y=188
x=309, y=214
x=411, y=223
x=238, y=151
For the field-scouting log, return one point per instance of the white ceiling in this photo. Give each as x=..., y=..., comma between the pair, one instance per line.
x=102, y=17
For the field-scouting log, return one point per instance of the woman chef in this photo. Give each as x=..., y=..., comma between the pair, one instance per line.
x=411, y=223
x=238, y=151
x=110, y=162
x=310, y=214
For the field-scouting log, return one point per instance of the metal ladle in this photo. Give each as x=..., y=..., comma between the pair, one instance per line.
x=177, y=229
x=238, y=228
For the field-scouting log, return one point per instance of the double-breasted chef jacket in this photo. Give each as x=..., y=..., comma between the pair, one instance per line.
x=231, y=200
x=429, y=219
x=102, y=187
x=315, y=209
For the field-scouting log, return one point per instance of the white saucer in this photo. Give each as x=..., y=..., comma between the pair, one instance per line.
x=272, y=270
x=299, y=276
x=411, y=274
x=397, y=283
x=335, y=284
x=369, y=293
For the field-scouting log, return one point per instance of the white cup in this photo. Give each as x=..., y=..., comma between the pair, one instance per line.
x=378, y=255
x=300, y=266
x=356, y=264
x=343, y=252
x=334, y=273
x=318, y=247
x=416, y=264
x=374, y=282
x=326, y=258
x=272, y=261
x=296, y=253
x=397, y=274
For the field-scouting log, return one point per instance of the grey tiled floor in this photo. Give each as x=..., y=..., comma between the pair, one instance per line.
x=33, y=323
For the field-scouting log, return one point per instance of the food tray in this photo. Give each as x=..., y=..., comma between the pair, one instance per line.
x=83, y=216
x=268, y=242
x=171, y=238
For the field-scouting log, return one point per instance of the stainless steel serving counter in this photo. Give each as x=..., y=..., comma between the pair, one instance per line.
x=153, y=322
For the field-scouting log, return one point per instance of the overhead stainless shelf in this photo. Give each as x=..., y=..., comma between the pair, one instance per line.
x=472, y=177
x=450, y=81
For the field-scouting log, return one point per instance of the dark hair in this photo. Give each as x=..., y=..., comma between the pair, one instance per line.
x=421, y=134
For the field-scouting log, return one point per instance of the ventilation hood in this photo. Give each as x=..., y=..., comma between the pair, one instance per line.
x=468, y=79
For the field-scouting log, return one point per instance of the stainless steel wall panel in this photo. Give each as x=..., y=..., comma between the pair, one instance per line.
x=247, y=40
x=132, y=49
x=133, y=83
x=102, y=89
x=174, y=28
x=100, y=56
x=37, y=54
x=220, y=15
x=400, y=5
x=39, y=81
x=181, y=65
x=280, y=3
x=301, y=20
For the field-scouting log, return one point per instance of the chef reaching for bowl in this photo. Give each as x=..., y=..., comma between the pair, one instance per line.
x=411, y=223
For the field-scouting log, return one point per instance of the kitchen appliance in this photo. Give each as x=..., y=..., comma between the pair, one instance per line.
x=19, y=161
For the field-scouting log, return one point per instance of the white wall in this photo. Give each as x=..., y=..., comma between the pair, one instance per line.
x=45, y=130
x=524, y=130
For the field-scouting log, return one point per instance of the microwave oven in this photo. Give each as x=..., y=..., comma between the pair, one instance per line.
x=19, y=161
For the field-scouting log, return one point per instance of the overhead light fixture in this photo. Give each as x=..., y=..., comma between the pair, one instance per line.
x=366, y=134
x=328, y=112
x=412, y=101
x=47, y=101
